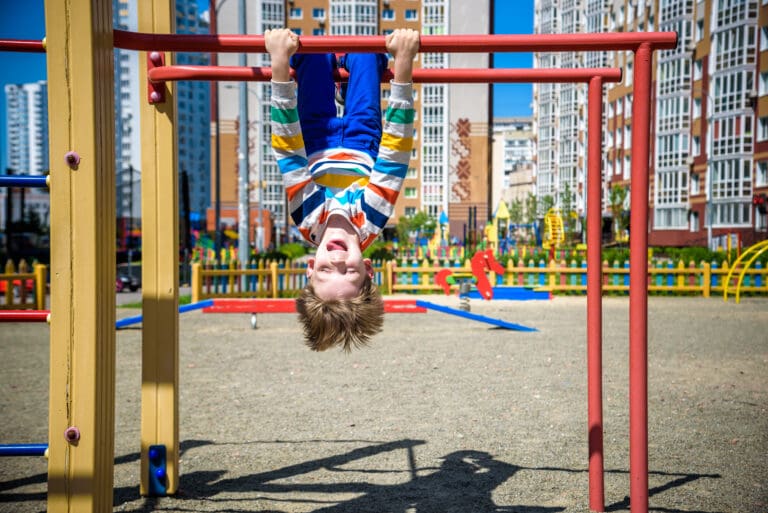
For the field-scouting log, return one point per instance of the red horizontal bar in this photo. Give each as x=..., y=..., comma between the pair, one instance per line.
x=22, y=45
x=289, y=306
x=24, y=315
x=464, y=75
x=460, y=43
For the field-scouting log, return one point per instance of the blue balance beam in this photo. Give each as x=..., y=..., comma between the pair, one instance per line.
x=136, y=319
x=474, y=317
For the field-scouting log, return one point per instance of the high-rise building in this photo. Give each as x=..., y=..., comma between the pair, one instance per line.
x=193, y=117
x=513, y=160
x=709, y=141
x=450, y=166
x=26, y=107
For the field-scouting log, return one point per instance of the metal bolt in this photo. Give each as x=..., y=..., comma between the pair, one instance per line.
x=72, y=435
x=72, y=158
x=156, y=58
x=155, y=97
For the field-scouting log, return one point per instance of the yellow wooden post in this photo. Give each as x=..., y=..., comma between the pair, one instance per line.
x=552, y=275
x=388, y=277
x=273, y=274
x=40, y=286
x=197, y=281
x=9, y=269
x=81, y=420
x=160, y=259
x=706, y=279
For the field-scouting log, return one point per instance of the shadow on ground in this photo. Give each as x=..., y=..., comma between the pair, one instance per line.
x=464, y=481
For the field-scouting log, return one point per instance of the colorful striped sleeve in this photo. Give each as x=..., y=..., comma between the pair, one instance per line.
x=289, y=151
x=394, y=155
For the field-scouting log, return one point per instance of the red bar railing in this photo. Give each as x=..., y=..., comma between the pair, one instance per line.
x=22, y=45
x=465, y=75
x=460, y=43
x=24, y=315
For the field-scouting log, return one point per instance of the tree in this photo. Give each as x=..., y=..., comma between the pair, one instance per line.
x=516, y=211
x=616, y=198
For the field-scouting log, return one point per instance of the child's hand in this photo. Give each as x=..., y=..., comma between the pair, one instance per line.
x=403, y=45
x=281, y=45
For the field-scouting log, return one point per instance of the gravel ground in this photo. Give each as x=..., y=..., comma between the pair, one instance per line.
x=439, y=414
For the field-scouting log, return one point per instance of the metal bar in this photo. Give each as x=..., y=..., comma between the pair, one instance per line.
x=23, y=449
x=466, y=75
x=638, y=284
x=23, y=181
x=464, y=43
x=595, y=297
x=24, y=315
x=22, y=45
x=127, y=321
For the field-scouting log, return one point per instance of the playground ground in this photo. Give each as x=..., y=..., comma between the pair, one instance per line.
x=439, y=414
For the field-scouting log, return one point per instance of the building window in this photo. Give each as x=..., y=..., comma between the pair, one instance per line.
x=318, y=32
x=410, y=192
x=696, y=145
x=695, y=225
x=388, y=14
x=763, y=86
x=318, y=13
x=761, y=177
x=411, y=15
x=412, y=173
x=410, y=211
x=698, y=69
x=295, y=13
x=694, y=184
x=762, y=129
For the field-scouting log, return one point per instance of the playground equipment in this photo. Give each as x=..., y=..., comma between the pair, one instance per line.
x=80, y=69
x=742, y=264
x=554, y=233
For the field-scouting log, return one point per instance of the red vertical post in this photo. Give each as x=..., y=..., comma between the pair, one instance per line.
x=638, y=284
x=595, y=295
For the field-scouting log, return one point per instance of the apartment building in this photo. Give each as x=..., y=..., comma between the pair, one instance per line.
x=26, y=107
x=450, y=166
x=513, y=150
x=709, y=141
x=193, y=114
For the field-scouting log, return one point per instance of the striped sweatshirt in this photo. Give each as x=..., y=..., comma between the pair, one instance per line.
x=340, y=180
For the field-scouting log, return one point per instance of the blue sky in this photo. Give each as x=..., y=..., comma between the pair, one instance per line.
x=25, y=20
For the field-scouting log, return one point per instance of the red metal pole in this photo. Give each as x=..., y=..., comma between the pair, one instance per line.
x=24, y=315
x=638, y=284
x=595, y=295
x=464, y=43
x=465, y=75
x=22, y=45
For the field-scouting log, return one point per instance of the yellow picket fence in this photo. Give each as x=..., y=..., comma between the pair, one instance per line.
x=22, y=289
x=282, y=279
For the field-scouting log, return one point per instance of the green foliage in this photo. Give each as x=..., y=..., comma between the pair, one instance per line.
x=516, y=211
x=293, y=250
x=419, y=224
x=379, y=250
x=617, y=196
x=611, y=255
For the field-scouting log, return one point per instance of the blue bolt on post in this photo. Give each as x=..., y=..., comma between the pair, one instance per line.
x=158, y=473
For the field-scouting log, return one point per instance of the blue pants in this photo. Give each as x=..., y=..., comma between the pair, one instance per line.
x=360, y=126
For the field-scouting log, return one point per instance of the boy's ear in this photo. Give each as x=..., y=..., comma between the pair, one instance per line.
x=368, y=267
x=310, y=267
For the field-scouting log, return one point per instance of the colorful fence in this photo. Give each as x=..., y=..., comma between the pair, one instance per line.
x=282, y=279
x=22, y=289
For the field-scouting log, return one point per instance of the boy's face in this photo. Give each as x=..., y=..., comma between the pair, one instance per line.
x=338, y=269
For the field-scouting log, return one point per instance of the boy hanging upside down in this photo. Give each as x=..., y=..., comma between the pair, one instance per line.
x=342, y=175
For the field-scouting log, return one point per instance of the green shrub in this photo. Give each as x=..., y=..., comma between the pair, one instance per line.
x=379, y=250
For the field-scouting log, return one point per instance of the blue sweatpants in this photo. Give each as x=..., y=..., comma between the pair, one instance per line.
x=360, y=126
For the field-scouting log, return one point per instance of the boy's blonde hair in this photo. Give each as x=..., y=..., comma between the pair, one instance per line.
x=347, y=322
